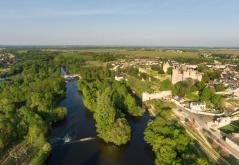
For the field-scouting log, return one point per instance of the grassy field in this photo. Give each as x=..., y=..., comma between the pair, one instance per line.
x=160, y=53
x=148, y=52
x=226, y=51
x=132, y=52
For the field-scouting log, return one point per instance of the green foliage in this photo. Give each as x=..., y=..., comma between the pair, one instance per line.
x=170, y=70
x=202, y=68
x=133, y=72
x=200, y=85
x=109, y=99
x=28, y=102
x=189, y=90
x=208, y=95
x=231, y=128
x=165, y=85
x=208, y=74
x=94, y=73
x=160, y=108
x=132, y=107
x=105, y=57
x=111, y=126
x=211, y=75
x=200, y=161
x=58, y=113
x=158, y=68
x=89, y=92
x=183, y=87
x=168, y=140
x=75, y=60
x=40, y=157
x=138, y=86
x=144, y=76
x=193, y=96
x=220, y=87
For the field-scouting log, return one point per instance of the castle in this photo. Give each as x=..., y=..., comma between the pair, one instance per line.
x=185, y=72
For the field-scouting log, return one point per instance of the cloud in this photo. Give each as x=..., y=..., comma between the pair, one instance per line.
x=92, y=13
x=47, y=12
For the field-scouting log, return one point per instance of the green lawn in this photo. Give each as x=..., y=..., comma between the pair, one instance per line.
x=231, y=128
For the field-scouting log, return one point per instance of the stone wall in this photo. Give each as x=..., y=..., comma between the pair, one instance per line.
x=159, y=95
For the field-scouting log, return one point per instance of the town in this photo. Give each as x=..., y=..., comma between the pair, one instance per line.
x=182, y=97
x=210, y=113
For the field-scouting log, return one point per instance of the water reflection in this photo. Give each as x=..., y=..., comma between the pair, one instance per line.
x=79, y=124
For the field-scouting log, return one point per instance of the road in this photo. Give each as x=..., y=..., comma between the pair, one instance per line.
x=201, y=126
x=199, y=137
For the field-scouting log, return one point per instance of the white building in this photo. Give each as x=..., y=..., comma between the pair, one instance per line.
x=197, y=106
x=119, y=78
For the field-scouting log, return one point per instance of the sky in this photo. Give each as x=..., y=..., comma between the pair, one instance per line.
x=120, y=22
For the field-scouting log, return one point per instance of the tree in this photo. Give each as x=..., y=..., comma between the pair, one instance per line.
x=201, y=162
x=217, y=100
x=220, y=87
x=170, y=70
x=133, y=72
x=110, y=126
x=183, y=87
x=207, y=94
x=165, y=85
x=158, y=68
x=132, y=107
x=169, y=141
x=211, y=75
x=28, y=101
x=202, y=68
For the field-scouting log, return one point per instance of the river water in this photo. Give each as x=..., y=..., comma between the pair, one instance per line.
x=79, y=124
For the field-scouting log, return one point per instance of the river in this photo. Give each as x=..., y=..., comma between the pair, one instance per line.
x=79, y=124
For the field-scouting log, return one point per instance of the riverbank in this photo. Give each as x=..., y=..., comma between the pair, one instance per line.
x=80, y=124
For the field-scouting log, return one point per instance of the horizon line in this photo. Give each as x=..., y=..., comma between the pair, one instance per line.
x=108, y=46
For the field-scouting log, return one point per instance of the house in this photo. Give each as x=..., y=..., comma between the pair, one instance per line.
x=197, y=106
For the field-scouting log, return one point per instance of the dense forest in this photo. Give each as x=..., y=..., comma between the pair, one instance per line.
x=28, y=104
